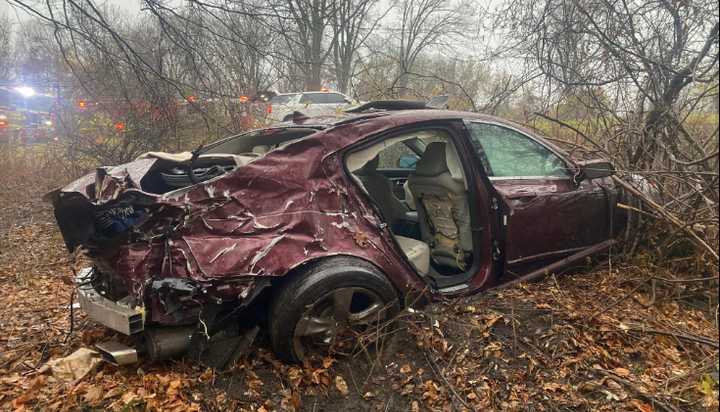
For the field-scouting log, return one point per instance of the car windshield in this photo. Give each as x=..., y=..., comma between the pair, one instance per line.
x=312, y=98
x=282, y=98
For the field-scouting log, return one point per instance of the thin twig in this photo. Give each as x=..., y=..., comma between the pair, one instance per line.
x=636, y=389
x=574, y=129
x=685, y=336
x=438, y=373
x=668, y=216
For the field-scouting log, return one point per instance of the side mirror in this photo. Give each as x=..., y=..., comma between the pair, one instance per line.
x=407, y=161
x=596, y=169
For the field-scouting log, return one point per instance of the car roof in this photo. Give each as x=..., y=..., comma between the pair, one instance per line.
x=404, y=116
x=371, y=122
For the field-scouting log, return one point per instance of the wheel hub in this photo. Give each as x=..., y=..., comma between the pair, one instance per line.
x=337, y=317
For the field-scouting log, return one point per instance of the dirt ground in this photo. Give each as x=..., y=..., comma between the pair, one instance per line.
x=599, y=340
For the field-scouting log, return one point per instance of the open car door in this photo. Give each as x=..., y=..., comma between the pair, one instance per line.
x=551, y=215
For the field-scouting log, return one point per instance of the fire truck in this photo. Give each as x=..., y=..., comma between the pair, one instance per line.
x=25, y=116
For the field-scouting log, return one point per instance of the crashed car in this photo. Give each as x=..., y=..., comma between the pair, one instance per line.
x=317, y=226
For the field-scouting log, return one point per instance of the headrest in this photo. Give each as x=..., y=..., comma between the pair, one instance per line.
x=440, y=157
x=369, y=167
x=432, y=162
x=453, y=162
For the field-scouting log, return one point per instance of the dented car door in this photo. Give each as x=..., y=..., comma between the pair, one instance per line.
x=550, y=214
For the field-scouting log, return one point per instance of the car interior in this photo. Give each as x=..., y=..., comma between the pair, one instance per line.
x=172, y=171
x=417, y=182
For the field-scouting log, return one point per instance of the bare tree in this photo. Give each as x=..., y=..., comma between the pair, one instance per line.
x=631, y=63
x=303, y=26
x=425, y=24
x=351, y=32
x=6, y=62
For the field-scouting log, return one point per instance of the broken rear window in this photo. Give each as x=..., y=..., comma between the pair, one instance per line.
x=258, y=142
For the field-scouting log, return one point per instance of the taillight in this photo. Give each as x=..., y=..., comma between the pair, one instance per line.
x=269, y=108
x=3, y=124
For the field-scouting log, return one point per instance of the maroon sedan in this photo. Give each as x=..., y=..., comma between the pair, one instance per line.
x=324, y=224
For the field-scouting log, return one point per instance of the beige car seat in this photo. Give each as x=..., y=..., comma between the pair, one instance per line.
x=417, y=252
x=440, y=194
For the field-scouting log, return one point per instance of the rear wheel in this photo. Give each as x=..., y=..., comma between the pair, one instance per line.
x=326, y=306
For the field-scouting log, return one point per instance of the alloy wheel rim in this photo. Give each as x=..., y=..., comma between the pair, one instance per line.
x=332, y=315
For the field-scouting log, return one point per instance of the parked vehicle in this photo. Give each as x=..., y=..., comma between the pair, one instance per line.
x=321, y=226
x=312, y=104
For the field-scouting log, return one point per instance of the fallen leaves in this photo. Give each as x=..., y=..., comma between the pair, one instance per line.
x=642, y=406
x=341, y=385
x=93, y=395
x=622, y=372
x=527, y=345
x=531, y=346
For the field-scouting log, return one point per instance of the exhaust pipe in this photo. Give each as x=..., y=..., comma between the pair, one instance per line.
x=160, y=344
x=170, y=342
x=166, y=343
x=117, y=353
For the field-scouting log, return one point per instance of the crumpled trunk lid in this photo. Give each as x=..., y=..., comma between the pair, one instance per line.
x=102, y=207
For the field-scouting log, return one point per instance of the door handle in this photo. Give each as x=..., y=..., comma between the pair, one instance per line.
x=522, y=194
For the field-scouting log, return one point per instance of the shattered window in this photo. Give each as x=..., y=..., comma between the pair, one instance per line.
x=507, y=153
x=397, y=156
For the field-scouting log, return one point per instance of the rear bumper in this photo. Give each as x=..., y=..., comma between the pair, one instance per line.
x=114, y=315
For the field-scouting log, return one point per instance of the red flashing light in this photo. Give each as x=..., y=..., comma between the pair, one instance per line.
x=119, y=126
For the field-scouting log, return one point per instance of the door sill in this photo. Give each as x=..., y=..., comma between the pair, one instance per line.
x=454, y=289
x=443, y=283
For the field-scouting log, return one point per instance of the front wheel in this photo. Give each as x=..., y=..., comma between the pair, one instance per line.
x=326, y=306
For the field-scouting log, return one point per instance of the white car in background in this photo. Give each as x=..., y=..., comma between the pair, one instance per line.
x=310, y=104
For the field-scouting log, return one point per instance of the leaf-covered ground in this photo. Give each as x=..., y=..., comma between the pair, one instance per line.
x=600, y=340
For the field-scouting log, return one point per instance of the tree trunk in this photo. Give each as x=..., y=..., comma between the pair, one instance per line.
x=313, y=80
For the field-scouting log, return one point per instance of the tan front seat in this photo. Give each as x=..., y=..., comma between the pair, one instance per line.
x=440, y=195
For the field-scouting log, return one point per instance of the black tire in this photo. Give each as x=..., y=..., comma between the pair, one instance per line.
x=310, y=285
